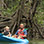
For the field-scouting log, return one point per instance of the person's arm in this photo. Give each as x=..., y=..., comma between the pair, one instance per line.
x=15, y=34
x=9, y=34
x=25, y=34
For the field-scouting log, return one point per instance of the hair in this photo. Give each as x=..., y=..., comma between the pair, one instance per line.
x=6, y=27
x=21, y=24
x=2, y=30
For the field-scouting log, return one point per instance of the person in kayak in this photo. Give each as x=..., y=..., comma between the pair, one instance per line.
x=6, y=31
x=21, y=33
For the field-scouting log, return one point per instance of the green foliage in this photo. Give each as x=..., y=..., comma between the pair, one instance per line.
x=40, y=13
x=11, y=7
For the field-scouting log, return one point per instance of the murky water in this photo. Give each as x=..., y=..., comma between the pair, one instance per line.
x=10, y=43
x=31, y=42
x=21, y=43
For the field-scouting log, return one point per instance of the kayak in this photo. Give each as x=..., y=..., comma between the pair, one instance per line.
x=11, y=39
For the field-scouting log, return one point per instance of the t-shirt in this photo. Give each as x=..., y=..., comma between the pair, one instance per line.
x=6, y=33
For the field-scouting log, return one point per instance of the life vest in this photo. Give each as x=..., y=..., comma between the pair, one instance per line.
x=21, y=32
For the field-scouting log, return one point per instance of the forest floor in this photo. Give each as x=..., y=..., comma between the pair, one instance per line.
x=36, y=41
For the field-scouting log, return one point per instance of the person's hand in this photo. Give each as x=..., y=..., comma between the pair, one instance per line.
x=19, y=36
x=14, y=36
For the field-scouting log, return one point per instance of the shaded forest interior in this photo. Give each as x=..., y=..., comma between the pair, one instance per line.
x=25, y=12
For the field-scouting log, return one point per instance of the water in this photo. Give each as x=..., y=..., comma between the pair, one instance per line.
x=30, y=41
x=37, y=41
x=10, y=43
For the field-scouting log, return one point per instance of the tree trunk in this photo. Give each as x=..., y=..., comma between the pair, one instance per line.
x=32, y=11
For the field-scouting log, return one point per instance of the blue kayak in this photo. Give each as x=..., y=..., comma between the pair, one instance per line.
x=11, y=39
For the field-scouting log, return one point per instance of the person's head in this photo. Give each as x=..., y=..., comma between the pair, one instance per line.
x=6, y=28
x=21, y=25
